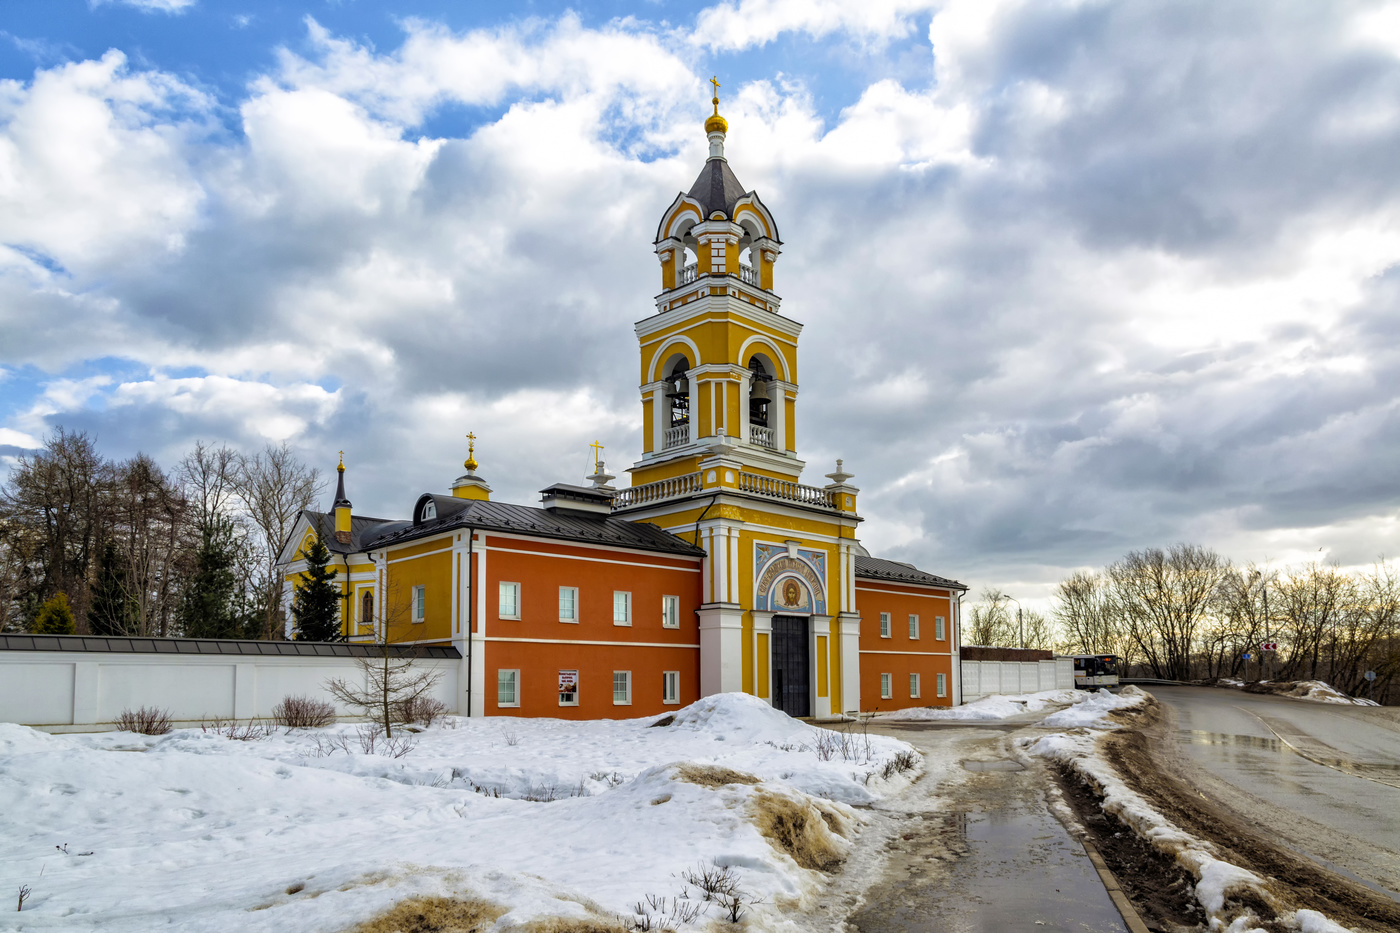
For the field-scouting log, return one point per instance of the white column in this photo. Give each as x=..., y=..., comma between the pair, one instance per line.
x=660, y=419
x=477, y=700
x=721, y=650
x=707, y=569
x=721, y=553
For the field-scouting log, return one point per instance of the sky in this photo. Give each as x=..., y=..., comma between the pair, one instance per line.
x=1077, y=277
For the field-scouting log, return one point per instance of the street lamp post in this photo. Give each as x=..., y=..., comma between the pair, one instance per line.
x=1020, y=626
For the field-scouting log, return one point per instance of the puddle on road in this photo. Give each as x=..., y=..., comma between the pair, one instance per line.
x=1198, y=737
x=997, y=764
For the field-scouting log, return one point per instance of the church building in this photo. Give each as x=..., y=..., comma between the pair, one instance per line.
x=715, y=570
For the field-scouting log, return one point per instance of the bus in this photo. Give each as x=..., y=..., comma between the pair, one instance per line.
x=1092, y=671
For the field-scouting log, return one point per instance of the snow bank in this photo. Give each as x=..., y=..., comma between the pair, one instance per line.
x=1320, y=692
x=546, y=818
x=989, y=708
x=1092, y=712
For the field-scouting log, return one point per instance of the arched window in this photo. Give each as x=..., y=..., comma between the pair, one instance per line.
x=367, y=608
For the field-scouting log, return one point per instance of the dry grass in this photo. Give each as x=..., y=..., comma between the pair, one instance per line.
x=807, y=831
x=713, y=775
x=434, y=915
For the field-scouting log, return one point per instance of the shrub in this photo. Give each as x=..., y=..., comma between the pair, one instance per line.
x=146, y=720
x=303, y=713
x=420, y=709
x=55, y=618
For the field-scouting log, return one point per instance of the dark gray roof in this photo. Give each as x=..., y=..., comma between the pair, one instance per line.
x=717, y=189
x=119, y=645
x=361, y=528
x=567, y=525
x=876, y=568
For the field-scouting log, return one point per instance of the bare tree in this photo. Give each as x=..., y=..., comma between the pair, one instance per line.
x=393, y=685
x=55, y=511
x=1088, y=623
x=1240, y=624
x=274, y=486
x=991, y=622
x=148, y=523
x=1161, y=598
x=1037, y=630
x=207, y=475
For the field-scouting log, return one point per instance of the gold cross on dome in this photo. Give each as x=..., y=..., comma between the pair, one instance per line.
x=597, y=453
x=715, y=82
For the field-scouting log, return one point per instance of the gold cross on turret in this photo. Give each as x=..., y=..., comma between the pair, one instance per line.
x=715, y=82
x=470, y=463
x=597, y=453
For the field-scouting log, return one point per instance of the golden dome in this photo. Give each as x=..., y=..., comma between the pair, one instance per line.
x=716, y=124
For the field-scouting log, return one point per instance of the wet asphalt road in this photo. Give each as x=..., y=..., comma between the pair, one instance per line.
x=977, y=850
x=1322, y=779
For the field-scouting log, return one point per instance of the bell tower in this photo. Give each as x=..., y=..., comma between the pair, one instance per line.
x=719, y=463
x=719, y=362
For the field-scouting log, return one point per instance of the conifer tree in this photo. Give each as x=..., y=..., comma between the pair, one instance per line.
x=111, y=612
x=55, y=618
x=210, y=606
x=314, y=609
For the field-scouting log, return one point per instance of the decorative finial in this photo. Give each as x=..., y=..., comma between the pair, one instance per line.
x=470, y=463
x=716, y=124
x=341, y=468
x=597, y=453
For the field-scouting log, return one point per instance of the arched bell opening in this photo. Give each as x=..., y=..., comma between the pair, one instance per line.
x=677, y=412
x=762, y=401
x=749, y=252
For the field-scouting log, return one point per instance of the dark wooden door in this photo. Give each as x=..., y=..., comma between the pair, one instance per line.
x=791, y=662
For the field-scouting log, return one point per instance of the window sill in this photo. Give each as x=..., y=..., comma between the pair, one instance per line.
x=568, y=621
x=507, y=618
x=622, y=624
x=670, y=702
x=507, y=706
x=622, y=702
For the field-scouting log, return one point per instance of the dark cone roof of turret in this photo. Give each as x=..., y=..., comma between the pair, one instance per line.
x=340, y=501
x=717, y=189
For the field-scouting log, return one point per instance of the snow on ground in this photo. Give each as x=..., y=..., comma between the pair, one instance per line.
x=122, y=832
x=1215, y=879
x=1315, y=690
x=997, y=706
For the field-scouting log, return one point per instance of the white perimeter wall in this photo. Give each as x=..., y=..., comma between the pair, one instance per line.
x=984, y=678
x=69, y=691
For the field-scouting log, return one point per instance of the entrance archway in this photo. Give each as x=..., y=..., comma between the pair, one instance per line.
x=792, y=665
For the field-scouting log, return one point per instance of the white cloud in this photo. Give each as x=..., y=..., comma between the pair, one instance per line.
x=149, y=6
x=728, y=26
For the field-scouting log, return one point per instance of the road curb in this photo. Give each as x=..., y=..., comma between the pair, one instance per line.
x=1115, y=892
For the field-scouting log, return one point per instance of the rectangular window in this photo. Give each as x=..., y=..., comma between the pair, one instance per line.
x=884, y=625
x=670, y=612
x=914, y=686
x=886, y=686
x=622, y=688
x=568, y=604
x=568, y=688
x=670, y=686
x=510, y=601
x=913, y=626
x=942, y=685
x=507, y=688
x=940, y=628
x=622, y=608
x=419, y=604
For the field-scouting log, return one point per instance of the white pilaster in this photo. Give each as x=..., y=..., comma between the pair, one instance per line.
x=721, y=649
x=849, y=623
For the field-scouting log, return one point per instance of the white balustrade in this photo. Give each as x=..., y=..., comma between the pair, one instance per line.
x=658, y=491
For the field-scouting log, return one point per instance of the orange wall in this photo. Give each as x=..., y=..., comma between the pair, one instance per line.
x=899, y=655
x=644, y=647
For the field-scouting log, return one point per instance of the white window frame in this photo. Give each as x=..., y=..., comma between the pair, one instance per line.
x=507, y=587
x=514, y=687
x=885, y=625
x=419, y=610
x=913, y=626
x=671, y=688
x=914, y=685
x=670, y=612
x=626, y=606
x=940, y=628
x=577, y=686
x=941, y=681
x=886, y=686
x=573, y=604
x=626, y=681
